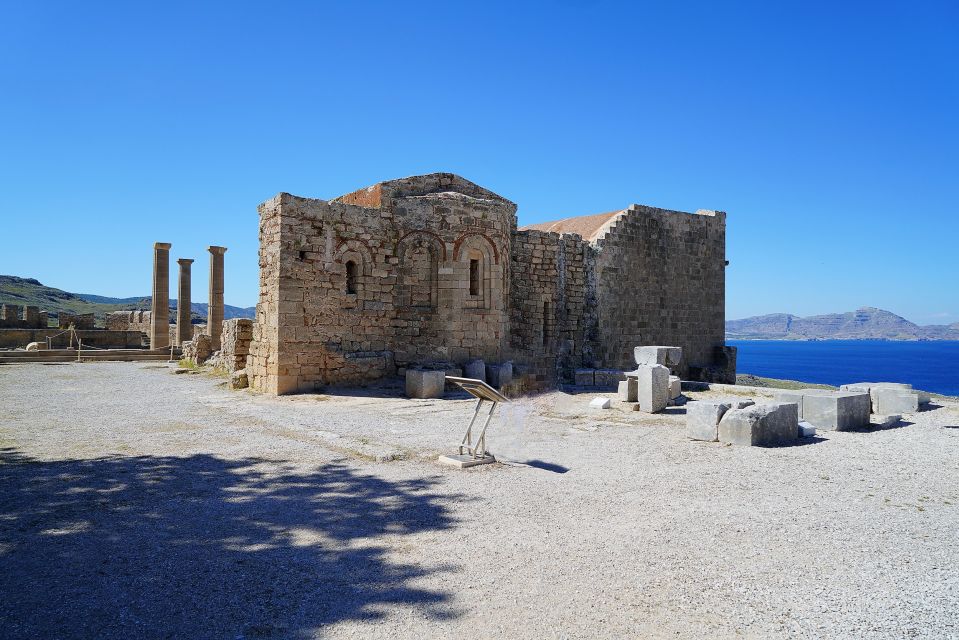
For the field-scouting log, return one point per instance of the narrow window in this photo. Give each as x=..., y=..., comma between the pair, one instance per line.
x=474, y=277
x=546, y=324
x=350, y=277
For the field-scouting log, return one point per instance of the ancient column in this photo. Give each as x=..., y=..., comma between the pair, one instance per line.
x=214, y=314
x=184, y=330
x=160, y=307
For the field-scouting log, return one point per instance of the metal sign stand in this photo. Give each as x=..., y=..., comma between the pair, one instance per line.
x=469, y=454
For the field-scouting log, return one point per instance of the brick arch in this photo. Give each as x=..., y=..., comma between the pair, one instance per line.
x=458, y=245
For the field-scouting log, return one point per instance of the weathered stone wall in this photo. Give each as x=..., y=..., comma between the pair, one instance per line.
x=14, y=316
x=235, y=341
x=100, y=338
x=549, y=315
x=137, y=320
x=78, y=320
x=350, y=293
x=660, y=280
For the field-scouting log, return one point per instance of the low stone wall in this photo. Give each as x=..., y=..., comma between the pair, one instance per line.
x=101, y=338
x=78, y=320
x=235, y=343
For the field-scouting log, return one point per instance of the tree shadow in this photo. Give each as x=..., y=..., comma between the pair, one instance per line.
x=203, y=547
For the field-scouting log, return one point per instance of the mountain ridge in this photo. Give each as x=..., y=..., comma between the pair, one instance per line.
x=865, y=323
x=30, y=291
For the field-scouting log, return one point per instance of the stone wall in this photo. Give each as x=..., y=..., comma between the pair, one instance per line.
x=100, y=338
x=78, y=320
x=137, y=320
x=415, y=273
x=235, y=343
x=660, y=280
x=14, y=316
x=549, y=314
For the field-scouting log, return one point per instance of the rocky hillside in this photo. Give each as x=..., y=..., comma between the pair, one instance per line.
x=21, y=291
x=867, y=323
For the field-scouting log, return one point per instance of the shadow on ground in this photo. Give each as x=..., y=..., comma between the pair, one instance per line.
x=202, y=547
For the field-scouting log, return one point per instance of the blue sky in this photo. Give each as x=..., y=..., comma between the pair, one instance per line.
x=827, y=131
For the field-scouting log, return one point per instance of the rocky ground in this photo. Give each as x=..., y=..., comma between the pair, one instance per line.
x=135, y=503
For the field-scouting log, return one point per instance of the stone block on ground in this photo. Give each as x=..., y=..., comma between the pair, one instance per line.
x=475, y=369
x=675, y=387
x=885, y=421
x=836, y=410
x=421, y=383
x=600, y=403
x=36, y=346
x=760, y=425
x=585, y=377
x=666, y=356
x=702, y=419
x=238, y=379
x=628, y=390
x=806, y=430
x=792, y=396
x=498, y=375
x=652, y=382
x=608, y=378
x=889, y=400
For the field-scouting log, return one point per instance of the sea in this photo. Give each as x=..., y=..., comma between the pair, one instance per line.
x=928, y=365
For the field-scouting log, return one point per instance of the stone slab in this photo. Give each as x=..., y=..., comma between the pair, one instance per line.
x=421, y=383
x=607, y=377
x=806, y=430
x=466, y=461
x=767, y=424
x=888, y=400
x=702, y=419
x=884, y=421
x=600, y=403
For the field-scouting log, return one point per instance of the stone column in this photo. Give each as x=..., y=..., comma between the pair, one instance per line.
x=214, y=315
x=160, y=307
x=184, y=330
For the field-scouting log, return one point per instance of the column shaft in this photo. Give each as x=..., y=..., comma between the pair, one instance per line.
x=160, y=307
x=184, y=329
x=214, y=321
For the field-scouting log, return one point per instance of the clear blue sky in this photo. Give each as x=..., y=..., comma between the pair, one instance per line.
x=828, y=131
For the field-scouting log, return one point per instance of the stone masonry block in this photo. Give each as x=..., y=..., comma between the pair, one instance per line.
x=607, y=377
x=425, y=384
x=892, y=400
x=667, y=356
x=675, y=387
x=475, y=369
x=760, y=425
x=498, y=375
x=585, y=377
x=794, y=397
x=837, y=410
x=702, y=419
x=628, y=390
x=652, y=387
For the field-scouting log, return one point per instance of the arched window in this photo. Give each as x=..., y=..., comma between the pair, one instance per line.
x=350, y=277
x=474, y=276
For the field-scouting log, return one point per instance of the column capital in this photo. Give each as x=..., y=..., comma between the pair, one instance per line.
x=162, y=245
x=216, y=250
x=186, y=262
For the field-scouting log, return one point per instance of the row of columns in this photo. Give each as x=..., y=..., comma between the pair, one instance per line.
x=160, y=308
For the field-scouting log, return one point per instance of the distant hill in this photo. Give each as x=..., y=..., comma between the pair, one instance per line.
x=867, y=323
x=28, y=291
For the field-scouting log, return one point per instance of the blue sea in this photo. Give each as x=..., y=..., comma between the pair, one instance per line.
x=930, y=366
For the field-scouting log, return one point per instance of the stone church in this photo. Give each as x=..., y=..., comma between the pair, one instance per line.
x=432, y=270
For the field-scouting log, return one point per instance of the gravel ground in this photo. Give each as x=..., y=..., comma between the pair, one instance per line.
x=135, y=503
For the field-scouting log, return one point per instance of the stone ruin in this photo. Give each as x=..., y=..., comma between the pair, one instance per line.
x=432, y=271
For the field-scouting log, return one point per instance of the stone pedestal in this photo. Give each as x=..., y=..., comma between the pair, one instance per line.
x=214, y=321
x=184, y=329
x=652, y=383
x=160, y=306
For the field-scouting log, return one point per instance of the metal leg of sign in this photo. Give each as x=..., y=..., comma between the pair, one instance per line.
x=471, y=455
